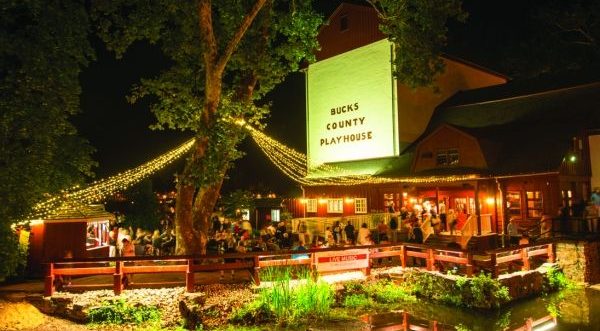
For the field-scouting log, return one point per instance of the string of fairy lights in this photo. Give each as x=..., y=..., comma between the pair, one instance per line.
x=99, y=190
x=291, y=162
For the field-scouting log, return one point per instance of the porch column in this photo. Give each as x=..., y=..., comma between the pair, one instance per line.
x=477, y=209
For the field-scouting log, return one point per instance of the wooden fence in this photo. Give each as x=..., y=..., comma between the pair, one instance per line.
x=341, y=259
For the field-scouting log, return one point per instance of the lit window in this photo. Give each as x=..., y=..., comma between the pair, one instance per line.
x=335, y=206
x=97, y=234
x=360, y=205
x=245, y=214
x=275, y=213
x=447, y=157
x=535, y=206
x=311, y=205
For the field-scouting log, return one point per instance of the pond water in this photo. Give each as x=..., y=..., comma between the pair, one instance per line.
x=577, y=309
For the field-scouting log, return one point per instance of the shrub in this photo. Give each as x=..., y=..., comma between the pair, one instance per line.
x=357, y=301
x=385, y=291
x=556, y=280
x=119, y=312
x=286, y=303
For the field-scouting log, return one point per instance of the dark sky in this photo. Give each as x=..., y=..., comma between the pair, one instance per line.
x=119, y=131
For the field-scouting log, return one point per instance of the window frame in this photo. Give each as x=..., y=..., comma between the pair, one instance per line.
x=358, y=209
x=311, y=205
x=335, y=206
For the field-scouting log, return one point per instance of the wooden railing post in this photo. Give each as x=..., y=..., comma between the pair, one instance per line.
x=529, y=324
x=49, y=280
x=118, y=278
x=189, y=276
x=551, y=253
x=403, y=256
x=430, y=260
x=525, y=258
x=256, y=270
x=469, y=265
x=494, y=265
x=367, y=270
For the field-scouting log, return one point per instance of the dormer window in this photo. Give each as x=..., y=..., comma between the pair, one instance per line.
x=447, y=157
x=343, y=23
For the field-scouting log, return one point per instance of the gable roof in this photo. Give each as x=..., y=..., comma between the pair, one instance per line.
x=525, y=127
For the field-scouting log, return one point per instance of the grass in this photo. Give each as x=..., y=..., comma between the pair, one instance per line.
x=288, y=300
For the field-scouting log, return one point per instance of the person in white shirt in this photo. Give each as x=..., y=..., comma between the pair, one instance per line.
x=364, y=235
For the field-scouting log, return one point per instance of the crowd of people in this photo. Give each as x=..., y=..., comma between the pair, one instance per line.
x=143, y=242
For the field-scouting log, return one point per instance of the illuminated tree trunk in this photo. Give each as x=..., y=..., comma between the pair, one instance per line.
x=196, y=201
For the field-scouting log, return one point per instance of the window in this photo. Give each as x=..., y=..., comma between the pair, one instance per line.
x=360, y=205
x=97, y=234
x=447, y=157
x=343, y=23
x=335, y=206
x=534, y=204
x=245, y=214
x=311, y=205
x=275, y=213
x=513, y=203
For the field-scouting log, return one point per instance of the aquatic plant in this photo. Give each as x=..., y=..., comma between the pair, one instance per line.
x=556, y=280
x=120, y=312
x=286, y=302
x=357, y=301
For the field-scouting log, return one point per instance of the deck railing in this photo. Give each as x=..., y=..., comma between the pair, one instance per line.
x=340, y=258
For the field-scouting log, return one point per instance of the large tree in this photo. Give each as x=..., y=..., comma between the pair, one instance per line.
x=43, y=48
x=226, y=55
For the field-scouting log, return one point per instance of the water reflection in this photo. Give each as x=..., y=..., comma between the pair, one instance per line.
x=577, y=309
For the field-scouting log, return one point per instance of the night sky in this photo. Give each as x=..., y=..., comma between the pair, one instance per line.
x=119, y=131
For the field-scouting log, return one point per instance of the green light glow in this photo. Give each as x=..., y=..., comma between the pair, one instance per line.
x=351, y=108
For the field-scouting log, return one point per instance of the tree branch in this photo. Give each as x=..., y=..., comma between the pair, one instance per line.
x=235, y=40
x=207, y=33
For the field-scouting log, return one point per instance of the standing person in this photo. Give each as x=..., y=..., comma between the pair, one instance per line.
x=590, y=214
x=128, y=250
x=451, y=221
x=349, y=230
x=382, y=232
x=301, y=229
x=513, y=232
x=337, y=232
x=364, y=235
x=329, y=239
x=112, y=242
x=394, y=228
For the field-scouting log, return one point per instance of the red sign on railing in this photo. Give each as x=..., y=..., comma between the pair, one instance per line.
x=342, y=260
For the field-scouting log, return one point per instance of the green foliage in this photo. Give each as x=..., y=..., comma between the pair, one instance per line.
x=120, y=312
x=480, y=291
x=44, y=47
x=357, y=301
x=556, y=280
x=418, y=30
x=13, y=254
x=286, y=302
x=385, y=291
x=238, y=199
x=256, y=312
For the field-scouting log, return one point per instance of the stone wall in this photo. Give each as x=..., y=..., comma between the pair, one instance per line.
x=579, y=260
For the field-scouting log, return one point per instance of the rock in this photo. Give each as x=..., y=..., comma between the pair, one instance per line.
x=196, y=298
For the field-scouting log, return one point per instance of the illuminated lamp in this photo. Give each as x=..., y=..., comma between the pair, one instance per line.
x=404, y=194
x=322, y=201
x=573, y=158
x=303, y=201
x=490, y=201
x=413, y=200
x=349, y=200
